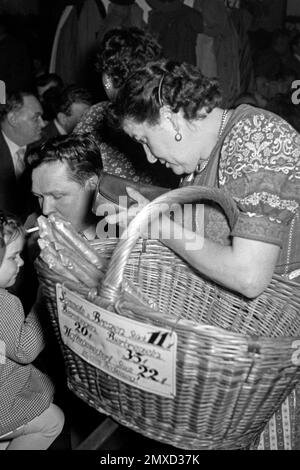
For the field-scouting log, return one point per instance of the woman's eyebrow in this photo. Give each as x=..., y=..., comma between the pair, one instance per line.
x=14, y=253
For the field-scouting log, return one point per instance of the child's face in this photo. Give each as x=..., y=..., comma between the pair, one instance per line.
x=11, y=262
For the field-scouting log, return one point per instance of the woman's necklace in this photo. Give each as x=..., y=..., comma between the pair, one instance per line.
x=202, y=165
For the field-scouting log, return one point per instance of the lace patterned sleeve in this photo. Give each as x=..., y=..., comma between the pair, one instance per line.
x=114, y=160
x=260, y=167
x=92, y=119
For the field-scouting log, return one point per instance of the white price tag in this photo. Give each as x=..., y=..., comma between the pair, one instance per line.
x=141, y=355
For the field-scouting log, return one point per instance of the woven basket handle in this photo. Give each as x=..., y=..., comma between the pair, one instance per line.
x=114, y=276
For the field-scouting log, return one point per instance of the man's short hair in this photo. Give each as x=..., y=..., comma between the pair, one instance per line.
x=47, y=78
x=79, y=152
x=14, y=102
x=60, y=101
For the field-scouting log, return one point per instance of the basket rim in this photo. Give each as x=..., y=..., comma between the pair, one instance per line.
x=168, y=320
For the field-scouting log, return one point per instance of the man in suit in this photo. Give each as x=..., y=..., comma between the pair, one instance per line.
x=44, y=83
x=21, y=124
x=67, y=107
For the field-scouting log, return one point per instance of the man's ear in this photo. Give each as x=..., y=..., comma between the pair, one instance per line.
x=61, y=118
x=12, y=118
x=91, y=183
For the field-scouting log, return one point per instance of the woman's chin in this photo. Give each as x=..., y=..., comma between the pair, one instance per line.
x=178, y=170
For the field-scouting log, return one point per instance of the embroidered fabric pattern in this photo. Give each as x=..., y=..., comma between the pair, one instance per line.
x=273, y=200
x=258, y=142
x=259, y=166
x=259, y=228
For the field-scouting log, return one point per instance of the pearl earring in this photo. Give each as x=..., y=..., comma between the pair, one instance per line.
x=178, y=137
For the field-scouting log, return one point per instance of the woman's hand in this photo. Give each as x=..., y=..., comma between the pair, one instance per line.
x=124, y=216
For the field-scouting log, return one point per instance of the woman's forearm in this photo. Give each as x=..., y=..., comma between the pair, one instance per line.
x=245, y=267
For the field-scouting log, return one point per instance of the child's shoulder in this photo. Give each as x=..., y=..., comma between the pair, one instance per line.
x=8, y=300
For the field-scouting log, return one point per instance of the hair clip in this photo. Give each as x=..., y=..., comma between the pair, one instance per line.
x=107, y=83
x=160, y=98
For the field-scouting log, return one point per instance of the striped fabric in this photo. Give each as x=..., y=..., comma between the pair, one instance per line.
x=283, y=430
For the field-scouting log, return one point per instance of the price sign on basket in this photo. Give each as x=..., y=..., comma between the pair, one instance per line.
x=136, y=353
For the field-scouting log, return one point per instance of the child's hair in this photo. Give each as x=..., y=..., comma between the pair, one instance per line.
x=10, y=229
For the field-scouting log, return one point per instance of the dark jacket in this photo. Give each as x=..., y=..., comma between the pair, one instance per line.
x=50, y=131
x=15, y=196
x=176, y=28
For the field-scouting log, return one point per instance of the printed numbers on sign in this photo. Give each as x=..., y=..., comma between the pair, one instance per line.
x=151, y=374
x=141, y=355
x=81, y=329
x=160, y=339
x=145, y=372
x=133, y=356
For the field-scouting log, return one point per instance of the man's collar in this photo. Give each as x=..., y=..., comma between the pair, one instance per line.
x=13, y=147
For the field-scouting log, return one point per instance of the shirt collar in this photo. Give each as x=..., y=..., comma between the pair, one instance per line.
x=13, y=147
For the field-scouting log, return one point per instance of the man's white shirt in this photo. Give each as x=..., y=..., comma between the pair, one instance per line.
x=17, y=155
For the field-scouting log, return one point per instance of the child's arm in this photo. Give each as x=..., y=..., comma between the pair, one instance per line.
x=23, y=338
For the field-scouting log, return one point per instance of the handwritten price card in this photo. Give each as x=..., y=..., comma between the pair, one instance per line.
x=141, y=355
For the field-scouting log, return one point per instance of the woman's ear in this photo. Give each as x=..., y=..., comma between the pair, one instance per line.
x=165, y=112
x=168, y=115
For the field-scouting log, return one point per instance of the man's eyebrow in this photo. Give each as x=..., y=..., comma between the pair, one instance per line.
x=48, y=193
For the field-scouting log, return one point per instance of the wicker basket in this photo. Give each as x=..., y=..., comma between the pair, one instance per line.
x=234, y=355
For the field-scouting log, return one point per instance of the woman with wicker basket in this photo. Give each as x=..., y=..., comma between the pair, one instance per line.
x=252, y=154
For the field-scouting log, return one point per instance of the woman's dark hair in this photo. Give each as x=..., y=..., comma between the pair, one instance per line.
x=124, y=50
x=179, y=86
x=79, y=152
x=59, y=100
